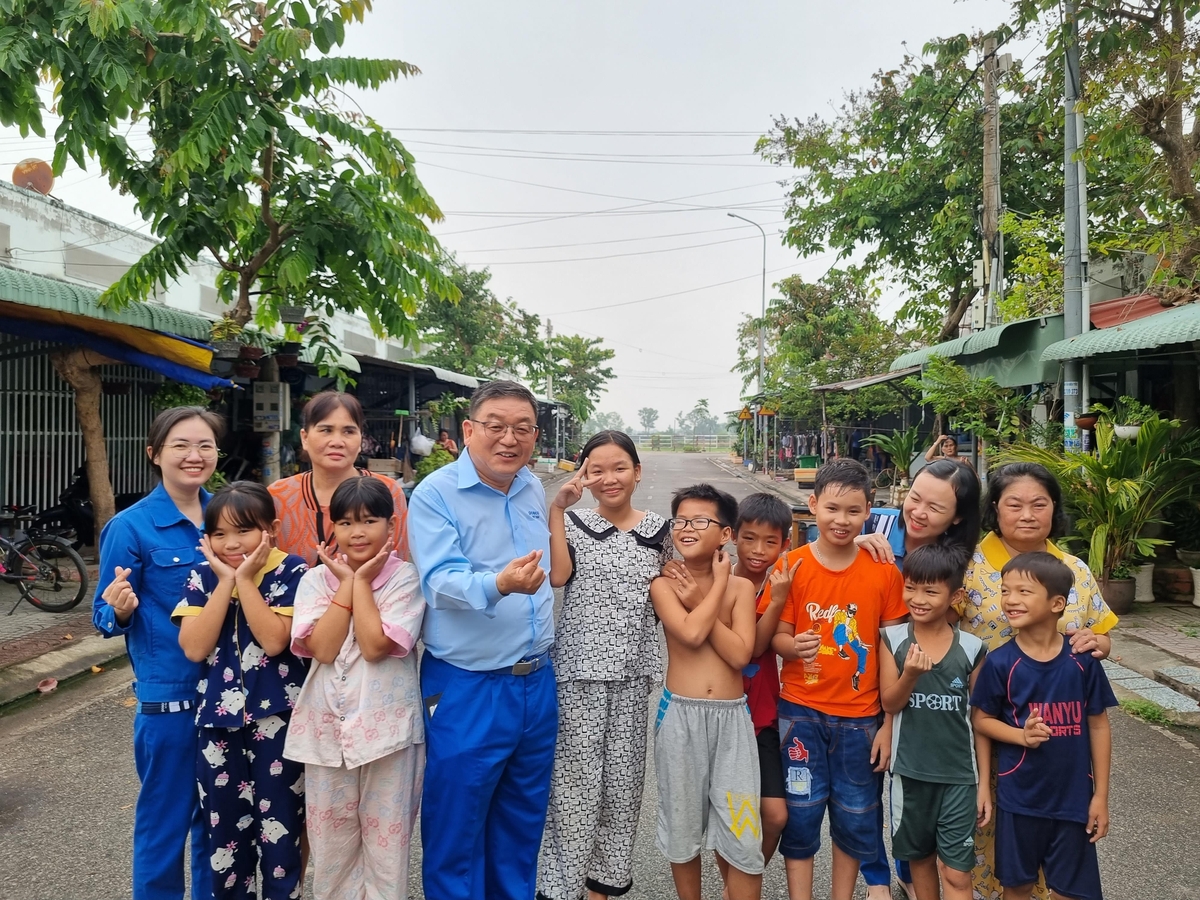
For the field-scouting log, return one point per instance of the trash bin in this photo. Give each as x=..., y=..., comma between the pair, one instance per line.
x=807, y=462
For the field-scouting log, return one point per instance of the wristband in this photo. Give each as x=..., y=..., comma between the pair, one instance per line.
x=342, y=605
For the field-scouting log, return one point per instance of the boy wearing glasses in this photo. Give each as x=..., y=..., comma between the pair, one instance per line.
x=705, y=750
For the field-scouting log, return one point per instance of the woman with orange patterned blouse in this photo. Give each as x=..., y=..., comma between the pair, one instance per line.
x=1024, y=513
x=331, y=433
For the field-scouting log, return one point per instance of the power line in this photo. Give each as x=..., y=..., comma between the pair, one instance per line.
x=582, y=153
x=588, y=133
x=649, y=237
x=543, y=157
x=535, y=262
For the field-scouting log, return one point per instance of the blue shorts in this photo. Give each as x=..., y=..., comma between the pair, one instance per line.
x=1062, y=850
x=827, y=765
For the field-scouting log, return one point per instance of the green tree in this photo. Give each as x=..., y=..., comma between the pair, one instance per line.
x=647, y=416
x=897, y=172
x=580, y=373
x=819, y=333
x=1141, y=96
x=479, y=334
x=603, y=422
x=700, y=420
x=250, y=158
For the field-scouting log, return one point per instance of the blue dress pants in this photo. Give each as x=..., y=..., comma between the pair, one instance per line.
x=489, y=742
x=168, y=808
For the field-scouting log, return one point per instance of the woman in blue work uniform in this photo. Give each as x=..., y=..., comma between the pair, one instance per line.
x=146, y=553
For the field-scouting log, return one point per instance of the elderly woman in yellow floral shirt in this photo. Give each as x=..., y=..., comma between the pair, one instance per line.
x=1024, y=513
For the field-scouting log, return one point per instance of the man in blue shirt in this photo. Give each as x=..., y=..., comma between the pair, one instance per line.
x=478, y=534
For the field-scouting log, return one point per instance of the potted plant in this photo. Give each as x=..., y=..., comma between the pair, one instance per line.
x=254, y=344
x=902, y=448
x=287, y=353
x=224, y=335
x=1184, y=518
x=291, y=315
x=171, y=394
x=1127, y=416
x=1116, y=492
x=1087, y=420
x=247, y=368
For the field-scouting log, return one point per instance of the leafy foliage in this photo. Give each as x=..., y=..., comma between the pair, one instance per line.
x=172, y=393
x=1114, y=493
x=901, y=446
x=1035, y=273
x=978, y=406
x=580, y=372
x=898, y=170
x=251, y=160
x=479, y=334
x=437, y=458
x=604, y=422
x=699, y=421
x=819, y=333
x=647, y=418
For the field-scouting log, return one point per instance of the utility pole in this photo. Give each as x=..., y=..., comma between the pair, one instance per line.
x=1072, y=245
x=549, y=363
x=992, y=260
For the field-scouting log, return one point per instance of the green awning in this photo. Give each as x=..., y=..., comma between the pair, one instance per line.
x=1180, y=325
x=62, y=296
x=1010, y=353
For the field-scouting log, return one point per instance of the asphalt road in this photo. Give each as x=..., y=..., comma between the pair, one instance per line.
x=67, y=785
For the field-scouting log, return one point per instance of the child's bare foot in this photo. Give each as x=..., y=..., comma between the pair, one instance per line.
x=879, y=892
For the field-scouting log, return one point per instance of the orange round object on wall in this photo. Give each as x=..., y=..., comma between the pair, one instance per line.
x=33, y=174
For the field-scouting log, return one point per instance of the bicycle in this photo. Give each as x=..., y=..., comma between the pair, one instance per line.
x=46, y=569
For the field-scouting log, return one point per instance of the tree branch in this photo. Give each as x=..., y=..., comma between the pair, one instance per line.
x=227, y=266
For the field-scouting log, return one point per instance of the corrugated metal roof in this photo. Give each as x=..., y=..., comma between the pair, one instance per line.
x=971, y=344
x=1108, y=313
x=946, y=349
x=1180, y=325
x=29, y=289
x=855, y=383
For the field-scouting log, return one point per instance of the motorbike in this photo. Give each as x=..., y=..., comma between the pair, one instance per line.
x=72, y=518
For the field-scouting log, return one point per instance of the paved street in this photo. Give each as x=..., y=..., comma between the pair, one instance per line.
x=67, y=784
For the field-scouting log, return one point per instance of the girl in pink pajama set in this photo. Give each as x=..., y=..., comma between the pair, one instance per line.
x=357, y=724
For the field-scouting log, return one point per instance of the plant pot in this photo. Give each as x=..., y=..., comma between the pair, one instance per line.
x=246, y=370
x=1118, y=594
x=1190, y=558
x=1195, y=587
x=1087, y=421
x=287, y=360
x=1126, y=432
x=291, y=315
x=250, y=353
x=1143, y=582
x=226, y=349
x=115, y=388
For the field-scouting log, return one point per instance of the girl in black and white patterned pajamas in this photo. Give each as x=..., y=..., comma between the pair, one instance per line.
x=607, y=661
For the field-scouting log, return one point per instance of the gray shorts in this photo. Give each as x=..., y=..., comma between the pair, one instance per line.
x=708, y=781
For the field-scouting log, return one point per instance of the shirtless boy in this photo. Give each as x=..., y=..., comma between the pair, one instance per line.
x=704, y=746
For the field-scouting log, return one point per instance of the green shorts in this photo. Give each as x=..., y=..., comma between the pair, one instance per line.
x=929, y=818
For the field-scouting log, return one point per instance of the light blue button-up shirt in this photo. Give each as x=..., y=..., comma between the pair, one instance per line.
x=462, y=533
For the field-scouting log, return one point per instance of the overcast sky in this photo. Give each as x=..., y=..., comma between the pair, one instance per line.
x=515, y=122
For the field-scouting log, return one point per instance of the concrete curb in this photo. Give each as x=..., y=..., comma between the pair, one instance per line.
x=775, y=487
x=20, y=680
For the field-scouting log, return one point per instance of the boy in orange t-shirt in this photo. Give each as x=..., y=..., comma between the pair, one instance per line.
x=835, y=739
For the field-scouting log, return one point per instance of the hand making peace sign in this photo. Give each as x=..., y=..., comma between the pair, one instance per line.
x=571, y=492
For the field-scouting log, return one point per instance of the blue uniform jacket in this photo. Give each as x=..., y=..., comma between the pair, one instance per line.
x=161, y=546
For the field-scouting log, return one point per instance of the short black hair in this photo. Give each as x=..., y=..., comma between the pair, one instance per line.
x=248, y=504
x=362, y=495
x=1045, y=568
x=498, y=390
x=1003, y=478
x=937, y=563
x=765, y=509
x=727, y=507
x=848, y=474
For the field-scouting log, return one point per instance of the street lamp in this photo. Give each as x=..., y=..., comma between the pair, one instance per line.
x=762, y=322
x=762, y=330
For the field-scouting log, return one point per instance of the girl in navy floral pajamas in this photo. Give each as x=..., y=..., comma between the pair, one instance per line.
x=235, y=616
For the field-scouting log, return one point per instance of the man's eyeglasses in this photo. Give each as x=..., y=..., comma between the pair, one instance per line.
x=183, y=449
x=522, y=432
x=699, y=523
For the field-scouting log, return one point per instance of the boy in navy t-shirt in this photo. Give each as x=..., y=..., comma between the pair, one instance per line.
x=1046, y=709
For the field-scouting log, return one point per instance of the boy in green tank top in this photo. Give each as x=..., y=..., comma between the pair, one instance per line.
x=925, y=681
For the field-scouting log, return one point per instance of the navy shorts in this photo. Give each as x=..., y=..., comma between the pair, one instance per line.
x=1062, y=850
x=827, y=766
